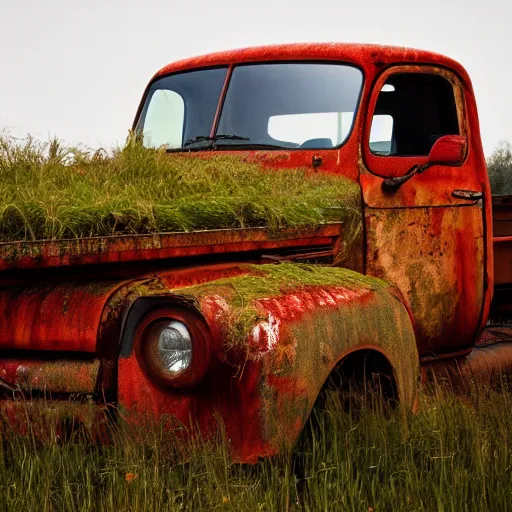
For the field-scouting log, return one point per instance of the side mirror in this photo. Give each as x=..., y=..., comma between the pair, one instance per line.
x=448, y=150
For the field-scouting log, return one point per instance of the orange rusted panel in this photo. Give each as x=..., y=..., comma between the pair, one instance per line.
x=128, y=248
x=435, y=256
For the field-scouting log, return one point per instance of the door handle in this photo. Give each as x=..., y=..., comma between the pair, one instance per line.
x=467, y=194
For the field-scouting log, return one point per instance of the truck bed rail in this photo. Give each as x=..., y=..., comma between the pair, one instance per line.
x=502, y=239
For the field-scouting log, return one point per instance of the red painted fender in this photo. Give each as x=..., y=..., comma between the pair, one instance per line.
x=276, y=333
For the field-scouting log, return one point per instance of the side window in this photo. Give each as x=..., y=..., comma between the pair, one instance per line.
x=164, y=120
x=381, y=135
x=413, y=110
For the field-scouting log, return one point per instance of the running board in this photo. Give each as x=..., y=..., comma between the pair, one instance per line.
x=490, y=359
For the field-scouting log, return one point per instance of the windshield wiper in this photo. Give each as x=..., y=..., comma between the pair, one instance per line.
x=207, y=142
x=212, y=140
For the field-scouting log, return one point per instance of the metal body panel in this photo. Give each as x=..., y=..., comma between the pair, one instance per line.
x=261, y=381
x=263, y=385
x=131, y=248
x=52, y=317
x=435, y=246
x=366, y=56
x=435, y=257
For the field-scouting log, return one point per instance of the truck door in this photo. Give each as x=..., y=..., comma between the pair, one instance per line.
x=427, y=235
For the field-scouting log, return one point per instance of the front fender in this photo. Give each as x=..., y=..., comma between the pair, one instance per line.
x=277, y=333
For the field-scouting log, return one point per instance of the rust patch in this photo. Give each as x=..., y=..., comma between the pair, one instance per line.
x=429, y=256
x=277, y=332
x=126, y=248
x=61, y=376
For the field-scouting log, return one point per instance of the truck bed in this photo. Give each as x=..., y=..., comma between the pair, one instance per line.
x=319, y=240
x=502, y=238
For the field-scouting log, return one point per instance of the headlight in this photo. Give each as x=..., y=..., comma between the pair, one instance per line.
x=173, y=347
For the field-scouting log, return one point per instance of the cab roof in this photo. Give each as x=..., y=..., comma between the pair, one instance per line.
x=366, y=56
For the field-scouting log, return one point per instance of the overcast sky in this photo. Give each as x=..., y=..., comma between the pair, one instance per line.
x=77, y=69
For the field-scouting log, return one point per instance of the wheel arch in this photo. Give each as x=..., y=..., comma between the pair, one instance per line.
x=360, y=362
x=392, y=352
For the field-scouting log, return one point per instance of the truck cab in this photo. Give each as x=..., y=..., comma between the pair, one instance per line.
x=401, y=123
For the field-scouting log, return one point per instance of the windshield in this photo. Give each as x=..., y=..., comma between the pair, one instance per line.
x=292, y=105
x=286, y=105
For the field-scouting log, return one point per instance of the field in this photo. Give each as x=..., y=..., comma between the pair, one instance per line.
x=454, y=454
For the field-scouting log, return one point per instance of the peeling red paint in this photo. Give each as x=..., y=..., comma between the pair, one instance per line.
x=273, y=373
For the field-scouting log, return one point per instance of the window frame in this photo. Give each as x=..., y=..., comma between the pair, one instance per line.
x=387, y=166
x=138, y=123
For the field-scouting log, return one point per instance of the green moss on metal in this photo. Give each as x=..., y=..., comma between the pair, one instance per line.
x=294, y=371
x=270, y=280
x=273, y=280
x=51, y=192
x=314, y=346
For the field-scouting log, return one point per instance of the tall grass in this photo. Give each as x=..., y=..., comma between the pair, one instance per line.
x=454, y=455
x=48, y=191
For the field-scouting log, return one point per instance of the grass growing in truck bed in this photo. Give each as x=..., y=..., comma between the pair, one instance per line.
x=48, y=191
x=453, y=455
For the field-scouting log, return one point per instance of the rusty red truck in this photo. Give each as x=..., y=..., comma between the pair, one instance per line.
x=248, y=324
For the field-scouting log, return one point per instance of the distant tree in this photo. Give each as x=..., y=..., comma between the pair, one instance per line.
x=499, y=165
